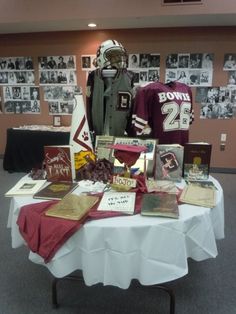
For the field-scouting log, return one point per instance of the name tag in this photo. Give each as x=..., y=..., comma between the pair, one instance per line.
x=123, y=181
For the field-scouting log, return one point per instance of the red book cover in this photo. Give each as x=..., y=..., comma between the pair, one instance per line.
x=59, y=163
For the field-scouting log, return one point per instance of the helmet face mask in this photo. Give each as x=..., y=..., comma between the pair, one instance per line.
x=111, y=54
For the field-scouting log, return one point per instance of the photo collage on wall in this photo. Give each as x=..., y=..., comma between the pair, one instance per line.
x=230, y=66
x=20, y=95
x=193, y=69
x=216, y=102
x=219, y=102
x=57, y=75
x=145, y=66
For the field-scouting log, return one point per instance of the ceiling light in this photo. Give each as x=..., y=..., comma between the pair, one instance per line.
x=92, y=25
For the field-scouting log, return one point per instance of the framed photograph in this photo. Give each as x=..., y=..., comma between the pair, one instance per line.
x=56, y=120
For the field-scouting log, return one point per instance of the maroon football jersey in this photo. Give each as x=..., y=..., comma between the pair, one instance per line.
x=166, y=109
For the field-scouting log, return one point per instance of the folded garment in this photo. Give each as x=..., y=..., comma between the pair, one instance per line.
x=45, y=235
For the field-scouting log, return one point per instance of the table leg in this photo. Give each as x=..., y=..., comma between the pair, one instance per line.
x=54, y=293
x=77, y=278
x=171, y=295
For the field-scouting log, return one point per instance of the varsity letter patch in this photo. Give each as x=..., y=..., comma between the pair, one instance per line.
x=123, y=101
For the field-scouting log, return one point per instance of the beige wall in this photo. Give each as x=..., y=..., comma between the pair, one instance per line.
x=53, y=10
x=164, y=41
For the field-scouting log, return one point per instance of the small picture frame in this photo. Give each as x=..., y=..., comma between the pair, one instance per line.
x=56, y=120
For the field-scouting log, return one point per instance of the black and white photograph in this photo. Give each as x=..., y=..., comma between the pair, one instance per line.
x=154, y=60
x=136, y=77
x=16, y=63
x=172, y=61
x=22, y=107
x=207, y=60
x=205, y=77
x=170, y=75
x=232, y=78
x=229, y=62
x=146, y=67
x=195, y=61
x=183, y=61
x=182, y=76
x=57, y=70
x=21, y=99
x=194, y=78
x=144, y=60
x=216, y=102
x=60, y=107
x=153, y=75
x=20, y=93
x=56, y=62
x=62, y=93
x=4, y=77
x=133, y=61
x=193, y=69
x=57, y=77
x=16, y=70
x=88, y=62
x=143, y=76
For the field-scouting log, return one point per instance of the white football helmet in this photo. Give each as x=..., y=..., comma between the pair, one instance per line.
x=111, y=54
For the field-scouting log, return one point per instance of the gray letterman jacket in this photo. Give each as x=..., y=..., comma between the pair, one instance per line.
x=109, y=101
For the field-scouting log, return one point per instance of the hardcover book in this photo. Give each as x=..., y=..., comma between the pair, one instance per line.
x=101, y=146
x=73, y=207
x=196, y=194
x=56, y=190
x=169, y=162
x=25, y=187
x=197, y=158
x=59, y=163
x=160, y=204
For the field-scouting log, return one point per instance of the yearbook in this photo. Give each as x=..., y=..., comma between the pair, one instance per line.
x=160, y=205
x=56, y=190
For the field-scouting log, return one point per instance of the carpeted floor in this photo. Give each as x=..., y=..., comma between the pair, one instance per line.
x=209, y=287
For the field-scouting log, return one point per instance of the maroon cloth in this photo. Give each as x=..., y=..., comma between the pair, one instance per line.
x=45, y=235
x=128, y=158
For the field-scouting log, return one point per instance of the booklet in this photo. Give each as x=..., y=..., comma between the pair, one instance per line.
x=25, y=187
x=118, y=201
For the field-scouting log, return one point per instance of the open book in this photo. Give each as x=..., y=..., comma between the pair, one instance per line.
x=196, y=194
x=72, y=206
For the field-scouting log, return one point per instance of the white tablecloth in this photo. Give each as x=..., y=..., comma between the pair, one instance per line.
x=113, y=251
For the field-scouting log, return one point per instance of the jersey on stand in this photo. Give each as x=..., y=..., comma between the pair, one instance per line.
x=166, y=109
